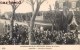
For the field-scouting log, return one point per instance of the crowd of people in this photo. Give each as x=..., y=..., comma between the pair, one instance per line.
x=56, y=37
x=19, y=36
x=39, y=37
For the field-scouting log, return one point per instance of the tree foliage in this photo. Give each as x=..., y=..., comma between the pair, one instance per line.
x=58, y=20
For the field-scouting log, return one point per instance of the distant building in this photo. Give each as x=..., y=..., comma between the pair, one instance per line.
x=72, y=2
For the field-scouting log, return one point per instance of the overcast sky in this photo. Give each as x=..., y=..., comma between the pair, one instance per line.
x=24, y=7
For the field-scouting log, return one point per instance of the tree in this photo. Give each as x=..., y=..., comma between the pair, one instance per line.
x=34, y=13
x=50, y=18
x=56, y=5
x=55, y=17
x=66, y=7
x=14, y=7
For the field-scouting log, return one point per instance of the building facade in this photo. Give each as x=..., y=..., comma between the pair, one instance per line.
x=72, y=2
x=73, y=8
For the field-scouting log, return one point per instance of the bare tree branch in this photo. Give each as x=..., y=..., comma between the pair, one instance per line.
x=19, y=4
x=31, y=2
x=15, y=6
x=42, y=1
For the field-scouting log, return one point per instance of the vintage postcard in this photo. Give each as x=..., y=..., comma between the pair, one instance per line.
x=39, y=24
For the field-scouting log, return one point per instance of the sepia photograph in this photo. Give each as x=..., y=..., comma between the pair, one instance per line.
x=39, y=22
